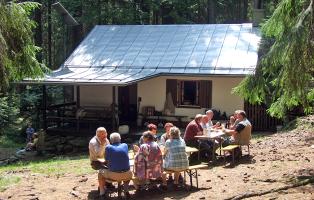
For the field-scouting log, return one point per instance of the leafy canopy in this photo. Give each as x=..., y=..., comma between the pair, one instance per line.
x=17, y=49
x=284, y=74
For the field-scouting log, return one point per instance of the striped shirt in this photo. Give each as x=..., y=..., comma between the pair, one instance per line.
x=175, y=157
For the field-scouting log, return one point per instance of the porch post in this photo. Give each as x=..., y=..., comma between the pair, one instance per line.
x=115, y=108
x=44, y=107
x=78, y=99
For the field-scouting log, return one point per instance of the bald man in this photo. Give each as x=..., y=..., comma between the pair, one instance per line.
x=193, y=129
x=97, y=147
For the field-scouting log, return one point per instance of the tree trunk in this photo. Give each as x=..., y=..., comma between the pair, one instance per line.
x=211, y=11
x=49, y=34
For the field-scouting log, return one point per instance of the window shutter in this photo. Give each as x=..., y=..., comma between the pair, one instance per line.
x=205, y=94
x=171, y=86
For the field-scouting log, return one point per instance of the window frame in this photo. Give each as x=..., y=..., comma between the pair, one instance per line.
x=180, y=94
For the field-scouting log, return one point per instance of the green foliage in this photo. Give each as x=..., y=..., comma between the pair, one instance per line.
x=17, y=51
x=77, y=165
x=285, y=72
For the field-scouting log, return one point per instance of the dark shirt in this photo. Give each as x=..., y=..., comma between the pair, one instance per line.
x=191, y=131
x=239, y=128
x=117, y=157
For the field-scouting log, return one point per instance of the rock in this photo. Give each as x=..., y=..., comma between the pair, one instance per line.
x=83, y=180
x=75, y=193
x=263, y=160
x=312, y=146
x=202, y=198
x=208, y=180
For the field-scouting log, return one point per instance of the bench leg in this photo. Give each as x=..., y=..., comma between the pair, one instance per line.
x=119, y=189
x=233, y=157
x=196, y=178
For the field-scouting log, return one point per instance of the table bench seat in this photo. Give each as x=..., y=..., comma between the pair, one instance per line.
x=192, y=172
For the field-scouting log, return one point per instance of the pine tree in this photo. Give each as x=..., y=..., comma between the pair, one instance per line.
x=17, y=49
x=284, y=74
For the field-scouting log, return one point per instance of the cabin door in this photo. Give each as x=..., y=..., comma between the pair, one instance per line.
x=127, y=104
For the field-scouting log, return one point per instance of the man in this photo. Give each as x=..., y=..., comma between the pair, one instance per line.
x=193, y=129
x=166, y=135
x=97, y=147
x=117, y=160
x=205, y=122
x=242, y=131
x=210, y=115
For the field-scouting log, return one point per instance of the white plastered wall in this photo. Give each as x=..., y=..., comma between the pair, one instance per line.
x=153, y=93
x=95, y=95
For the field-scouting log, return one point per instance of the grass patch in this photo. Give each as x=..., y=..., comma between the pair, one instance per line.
x=58, y=166
x=7, y=180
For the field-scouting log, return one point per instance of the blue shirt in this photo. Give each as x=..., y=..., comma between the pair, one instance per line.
x=118, y=157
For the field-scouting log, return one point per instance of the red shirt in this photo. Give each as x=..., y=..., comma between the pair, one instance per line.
x=191, y=131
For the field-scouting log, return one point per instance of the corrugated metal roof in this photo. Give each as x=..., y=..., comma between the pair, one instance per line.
x=121, y=54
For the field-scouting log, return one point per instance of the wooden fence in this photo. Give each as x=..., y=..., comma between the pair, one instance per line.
x=261, y=121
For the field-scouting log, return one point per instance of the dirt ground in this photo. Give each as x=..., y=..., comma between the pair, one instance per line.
x=277, y=160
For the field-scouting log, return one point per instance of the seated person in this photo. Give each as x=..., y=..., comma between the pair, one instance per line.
x=97, y=147
x=166, y=135
x=148, y=162
x=231, y=123
x=152, y=128
x=117, y=160
x=217, y=125
x=175, y=158
x=31, y=146
x=242, y=132
x=193, y=129
x=205, y=123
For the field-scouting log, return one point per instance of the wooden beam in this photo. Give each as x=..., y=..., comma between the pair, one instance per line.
x=44, y=90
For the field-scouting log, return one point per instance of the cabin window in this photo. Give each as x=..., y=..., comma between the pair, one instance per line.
x=187, y=93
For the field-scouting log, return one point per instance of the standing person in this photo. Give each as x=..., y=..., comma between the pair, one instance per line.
x=29, y=133
x=175, y=158
x=117, y=160
x=166, y=135
x=97, y=147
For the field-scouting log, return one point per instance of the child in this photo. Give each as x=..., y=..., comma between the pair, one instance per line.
x=29, y=133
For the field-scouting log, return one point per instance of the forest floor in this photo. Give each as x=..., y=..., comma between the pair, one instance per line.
x=282, y=161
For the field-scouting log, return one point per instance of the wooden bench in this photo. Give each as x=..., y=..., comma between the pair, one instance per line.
x=231, y=148
x=192, y=172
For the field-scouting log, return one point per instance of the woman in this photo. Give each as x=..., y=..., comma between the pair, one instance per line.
x=148, y=161
x=175, y=157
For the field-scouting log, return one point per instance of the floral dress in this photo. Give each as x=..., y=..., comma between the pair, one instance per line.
x=148, y=161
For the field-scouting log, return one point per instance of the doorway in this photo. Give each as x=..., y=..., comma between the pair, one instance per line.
x=127, y=97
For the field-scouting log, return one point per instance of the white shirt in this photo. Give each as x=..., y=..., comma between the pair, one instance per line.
x=97, y=150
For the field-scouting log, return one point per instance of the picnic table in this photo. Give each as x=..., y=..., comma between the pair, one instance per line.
x=212, y=135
